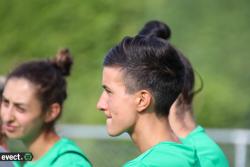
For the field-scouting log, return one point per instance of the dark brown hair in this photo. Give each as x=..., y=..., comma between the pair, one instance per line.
x=161, y=30
x=151, y=63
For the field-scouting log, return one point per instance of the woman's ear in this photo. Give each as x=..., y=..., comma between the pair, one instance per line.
x=53, y=112
x=143, y=100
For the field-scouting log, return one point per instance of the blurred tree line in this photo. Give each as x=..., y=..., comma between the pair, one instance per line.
x=214, y=35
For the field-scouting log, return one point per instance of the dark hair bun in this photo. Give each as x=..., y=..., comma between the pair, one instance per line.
x=157, y=29
x=63, y=61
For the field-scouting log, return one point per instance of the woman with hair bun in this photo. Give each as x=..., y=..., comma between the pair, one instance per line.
x=33, y=98
x=142, y=77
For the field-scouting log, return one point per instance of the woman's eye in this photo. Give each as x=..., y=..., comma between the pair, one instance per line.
x=5, y=103
x=108, y=91
x=20, y=109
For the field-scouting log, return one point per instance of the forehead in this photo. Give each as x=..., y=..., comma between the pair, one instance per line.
x=19, y=90
x=112, y=76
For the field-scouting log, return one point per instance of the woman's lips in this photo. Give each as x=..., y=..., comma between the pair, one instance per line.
x=9, y=128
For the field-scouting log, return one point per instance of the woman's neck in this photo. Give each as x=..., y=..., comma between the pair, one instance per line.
x=151, y=130
x=182, y=120
x=42, y=143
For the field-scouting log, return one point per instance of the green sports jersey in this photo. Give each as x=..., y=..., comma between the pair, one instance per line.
x=64, y=153
x=208, y=152
x=166, y=154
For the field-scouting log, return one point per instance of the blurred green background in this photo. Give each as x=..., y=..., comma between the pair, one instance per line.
x=214, y=35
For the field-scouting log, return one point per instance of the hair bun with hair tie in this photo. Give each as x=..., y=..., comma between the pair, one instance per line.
x=155, y=28
x=63, y=61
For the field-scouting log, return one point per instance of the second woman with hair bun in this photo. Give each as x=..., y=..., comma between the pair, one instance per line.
x=33, y=98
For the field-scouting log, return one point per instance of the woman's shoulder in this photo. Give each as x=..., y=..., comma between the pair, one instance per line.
x=63, y=153
x=67, y=152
